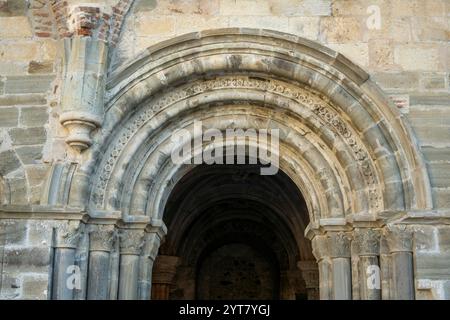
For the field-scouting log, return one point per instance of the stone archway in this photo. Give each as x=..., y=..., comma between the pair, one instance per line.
x=342, y=144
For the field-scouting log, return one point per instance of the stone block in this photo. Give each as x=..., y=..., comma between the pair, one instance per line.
x=306, y=27
x=439, y=99
x=35, y=286
x=23, y=99
x=19, y=51
x=37, y=67
x=381, y=55
x=9, y=117
x=432, y=135
x=245, y=8
x=33, y=116
x=18, y=190
x=10, y=68
x=30, y=136
x=40, y=232
x=197, y=7
x=355, y=52
x=397, y=29
x=148, y=25
x=15, y=27
x=429, y=116
x=441, y=197
x=267, y=22
x=11, y=287
x=439, y=174
x=12, y=8
x=193, y=23
x=433, y=82
x=435, y=154
x=29, y=154
x=13, y=232
x=28, y=84
x=300, y=8
x=8, y=162
x=28, y=259
x=418, y=57
x=340, y=29
x=426, y=239
x=397, y=81
x=430, y=29
x=36, y=174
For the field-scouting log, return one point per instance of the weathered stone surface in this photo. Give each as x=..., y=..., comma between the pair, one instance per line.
x=28, y=136
x=36, y=174
x=418, y=57
x=10, y=8
x=8, y=162
x=440, y=174
x=27, y=258
x=35, y=67
x=33, y=116
x=9, y=117
x=398, y=81
x=27, y=84
x=28, y=99
x=14, y=27
x=35, y=286
x=29, y=154
x=340, y=29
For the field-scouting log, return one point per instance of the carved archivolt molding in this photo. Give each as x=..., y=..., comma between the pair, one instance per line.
x=324, y=110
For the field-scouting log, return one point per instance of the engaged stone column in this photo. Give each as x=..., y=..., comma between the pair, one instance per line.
x=101, y=243
x=368, y=243
x=163, y=273
x=399, y=239
x=66, y=276
x=310, y=273
x=322, y=254
x=131, y=241
x=146, y=261
x=339, y=244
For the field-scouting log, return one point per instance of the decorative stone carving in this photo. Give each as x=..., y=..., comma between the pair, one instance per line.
x=368, y=241
x=68, y=235
x=322, y=108
x=131, y=241
x=399, y=238
x=339, y=243
x=102, y=238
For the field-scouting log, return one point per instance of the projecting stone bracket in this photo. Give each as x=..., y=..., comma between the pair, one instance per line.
x=83, y=89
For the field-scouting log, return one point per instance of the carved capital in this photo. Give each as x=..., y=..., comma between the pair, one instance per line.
x=399, y=238
x=165, y=268
x=320, y=247
x=102, y=238
x=339, y=243
x=131, y=241
x=68, y=235
x=368, y=241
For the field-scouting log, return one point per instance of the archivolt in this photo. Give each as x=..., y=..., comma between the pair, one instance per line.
x=347, y=149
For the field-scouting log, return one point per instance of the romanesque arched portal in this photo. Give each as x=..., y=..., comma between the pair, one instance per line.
x=349, y=153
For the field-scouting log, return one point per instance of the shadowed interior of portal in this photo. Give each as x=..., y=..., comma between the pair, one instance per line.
x=233, y=234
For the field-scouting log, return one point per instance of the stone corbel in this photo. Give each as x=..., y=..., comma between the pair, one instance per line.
x=83, y=89
x=85, y=63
